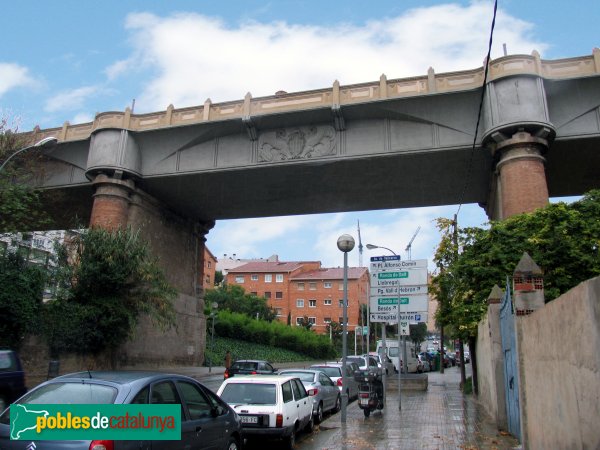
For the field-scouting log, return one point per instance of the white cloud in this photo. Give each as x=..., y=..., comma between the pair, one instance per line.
x=196, y=57
x=191, y=57
x=70, y=100
x=14, y=76
x=83, y=117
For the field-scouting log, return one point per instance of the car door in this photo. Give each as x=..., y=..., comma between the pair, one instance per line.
x=290, y=408
x=330, y=391
x=303, y=402
x=164, y=392
x=203, y=427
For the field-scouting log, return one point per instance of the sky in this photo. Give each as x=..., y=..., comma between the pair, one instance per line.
x=67, y=60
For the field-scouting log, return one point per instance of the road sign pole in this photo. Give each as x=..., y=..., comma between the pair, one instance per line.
x=399, y=314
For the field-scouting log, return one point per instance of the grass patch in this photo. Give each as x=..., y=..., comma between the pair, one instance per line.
x=248, y=350
x=468, y=386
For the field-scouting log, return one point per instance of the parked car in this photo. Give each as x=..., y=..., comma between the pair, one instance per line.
x=250, y=367
x=324, y=393
x=364, y=362
x=423, y=364
x=467, y=356
x=334, y=371
x=271, y=406
x=12, y=378
x=201, y=409
x=386, y=365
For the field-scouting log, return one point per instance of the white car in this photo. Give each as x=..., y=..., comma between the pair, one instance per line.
x=270, y=406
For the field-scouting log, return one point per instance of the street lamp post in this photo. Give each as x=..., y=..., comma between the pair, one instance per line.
x=400, y=337
x=47, y=142
x=213, y=312
x=345, y=243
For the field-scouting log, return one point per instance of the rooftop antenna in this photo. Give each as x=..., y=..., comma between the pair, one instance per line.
x=360, y=247
x=409, y=246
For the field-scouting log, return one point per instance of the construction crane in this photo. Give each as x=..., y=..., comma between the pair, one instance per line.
x=360, y=247
x=409, y=246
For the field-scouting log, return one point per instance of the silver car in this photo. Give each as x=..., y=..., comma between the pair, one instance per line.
x=324, y=393
x=334, y=371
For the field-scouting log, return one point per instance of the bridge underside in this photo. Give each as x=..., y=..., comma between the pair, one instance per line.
x=417, y=179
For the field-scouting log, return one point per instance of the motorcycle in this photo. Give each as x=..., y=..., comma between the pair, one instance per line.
x=370, y=390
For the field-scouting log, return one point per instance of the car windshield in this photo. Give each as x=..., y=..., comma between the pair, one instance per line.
x=250, y=394
x=244, y=365
x=359, y=361
x=304, y=376
x=333, y=372
x=71, y=393
x=67, y=394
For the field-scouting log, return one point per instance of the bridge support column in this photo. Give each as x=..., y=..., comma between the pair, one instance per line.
x=519, y=183
x=111, y=202
x=179, y=245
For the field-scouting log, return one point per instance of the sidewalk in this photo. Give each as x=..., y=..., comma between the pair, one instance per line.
x=440, y=418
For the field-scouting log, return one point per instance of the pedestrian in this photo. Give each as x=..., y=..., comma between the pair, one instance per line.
x=227, y=360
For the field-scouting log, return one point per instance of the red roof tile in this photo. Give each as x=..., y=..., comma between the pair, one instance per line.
x=331, y=274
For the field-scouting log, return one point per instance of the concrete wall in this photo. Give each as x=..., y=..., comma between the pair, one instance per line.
x=490, y=366
x=559, y=350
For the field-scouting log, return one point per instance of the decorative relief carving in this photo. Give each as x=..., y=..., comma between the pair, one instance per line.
x=296, y=143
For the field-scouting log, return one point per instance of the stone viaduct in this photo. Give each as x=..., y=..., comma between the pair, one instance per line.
x=393, y=143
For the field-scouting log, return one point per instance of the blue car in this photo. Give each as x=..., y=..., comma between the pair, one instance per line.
x=207, y=422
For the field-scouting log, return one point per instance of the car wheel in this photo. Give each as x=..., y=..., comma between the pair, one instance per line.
x=338, y=404
x=233, y=444
x=310, y=426
x=319, y=415
x=291, y=441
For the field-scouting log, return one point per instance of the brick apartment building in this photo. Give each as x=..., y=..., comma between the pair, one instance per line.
x=305, y=289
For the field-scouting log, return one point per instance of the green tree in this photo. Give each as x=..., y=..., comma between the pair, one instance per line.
x=418, y=333
x=106, y=280
x=563, y=239
x=235, y=299
x=218, y=278
x=20, y=298
x=21, y=207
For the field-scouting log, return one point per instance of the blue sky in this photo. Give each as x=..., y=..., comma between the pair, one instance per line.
x=66, y=60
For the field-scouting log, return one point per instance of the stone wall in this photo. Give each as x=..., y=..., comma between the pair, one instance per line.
x=559, y=370
x=559, y=350
x=490, y=366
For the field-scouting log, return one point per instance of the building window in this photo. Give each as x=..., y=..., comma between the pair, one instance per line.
x=209, y=264
x=327, y=320
x=278, y=278
x=299, y=321
x=300, y=286
x=341, y=320
x=312, y=286
x=312, y=303
x=254, y=293
x=268, y=294
x=254, y=277
x=327, y=302
x=268, y=278
x=300, y=303
x=327, y=284
x=341, y=303
x=340, y=286
x=312, y=320
x=278, y=312
x=239, y=280
x=279, y=294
